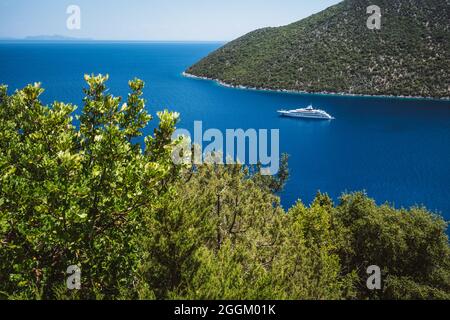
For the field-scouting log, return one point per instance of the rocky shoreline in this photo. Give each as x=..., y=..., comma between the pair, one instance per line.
x=342, y=94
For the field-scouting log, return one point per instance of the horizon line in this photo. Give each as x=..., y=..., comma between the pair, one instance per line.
x=109, y=40
x=67, y=38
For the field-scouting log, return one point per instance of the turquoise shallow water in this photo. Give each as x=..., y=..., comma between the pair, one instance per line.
x=398, y=150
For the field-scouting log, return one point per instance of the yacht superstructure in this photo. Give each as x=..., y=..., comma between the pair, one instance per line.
x=309, y=113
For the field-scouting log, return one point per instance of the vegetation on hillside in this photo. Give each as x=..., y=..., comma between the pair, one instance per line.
x=86, y=193
x=335, y=51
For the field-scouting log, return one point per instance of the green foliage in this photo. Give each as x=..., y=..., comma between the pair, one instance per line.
x=411, y=247
x=307, y=265
x=334, y=51
x=72, y=196
x=142, y=228
x=274, y=183
x=212, y=212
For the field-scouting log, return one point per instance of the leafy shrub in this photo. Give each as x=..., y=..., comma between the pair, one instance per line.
x=140, y=227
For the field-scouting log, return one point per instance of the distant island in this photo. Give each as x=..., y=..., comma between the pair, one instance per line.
x=335, y=52
x=54, y=37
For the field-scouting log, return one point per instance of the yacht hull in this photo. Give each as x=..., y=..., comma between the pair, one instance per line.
x=303, y=116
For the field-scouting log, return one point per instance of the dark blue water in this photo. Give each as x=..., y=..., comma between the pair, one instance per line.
x=397, y=150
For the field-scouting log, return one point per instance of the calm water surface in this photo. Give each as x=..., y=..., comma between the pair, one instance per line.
x=397, y=150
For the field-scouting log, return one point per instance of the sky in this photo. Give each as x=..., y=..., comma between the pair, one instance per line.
x=152, y=20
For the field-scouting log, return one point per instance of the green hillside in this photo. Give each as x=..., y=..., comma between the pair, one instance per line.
x=335, y=51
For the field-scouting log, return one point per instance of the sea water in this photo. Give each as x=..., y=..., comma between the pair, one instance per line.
x=397, y=150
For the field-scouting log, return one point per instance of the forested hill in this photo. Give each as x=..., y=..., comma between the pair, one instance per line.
x=335, y=51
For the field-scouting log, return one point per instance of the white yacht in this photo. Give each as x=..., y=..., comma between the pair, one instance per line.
x=308, y=113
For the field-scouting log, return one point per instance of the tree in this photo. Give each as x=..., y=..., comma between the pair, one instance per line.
x=93, y=194
x=76, y=195
x=215, y=215
x=307, y=265
x=410, y=246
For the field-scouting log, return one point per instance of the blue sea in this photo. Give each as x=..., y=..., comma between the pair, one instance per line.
x=397, y=150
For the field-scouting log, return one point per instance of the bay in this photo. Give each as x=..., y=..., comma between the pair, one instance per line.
x=397, y=150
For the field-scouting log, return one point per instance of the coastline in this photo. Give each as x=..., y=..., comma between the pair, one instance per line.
x=324, y=93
